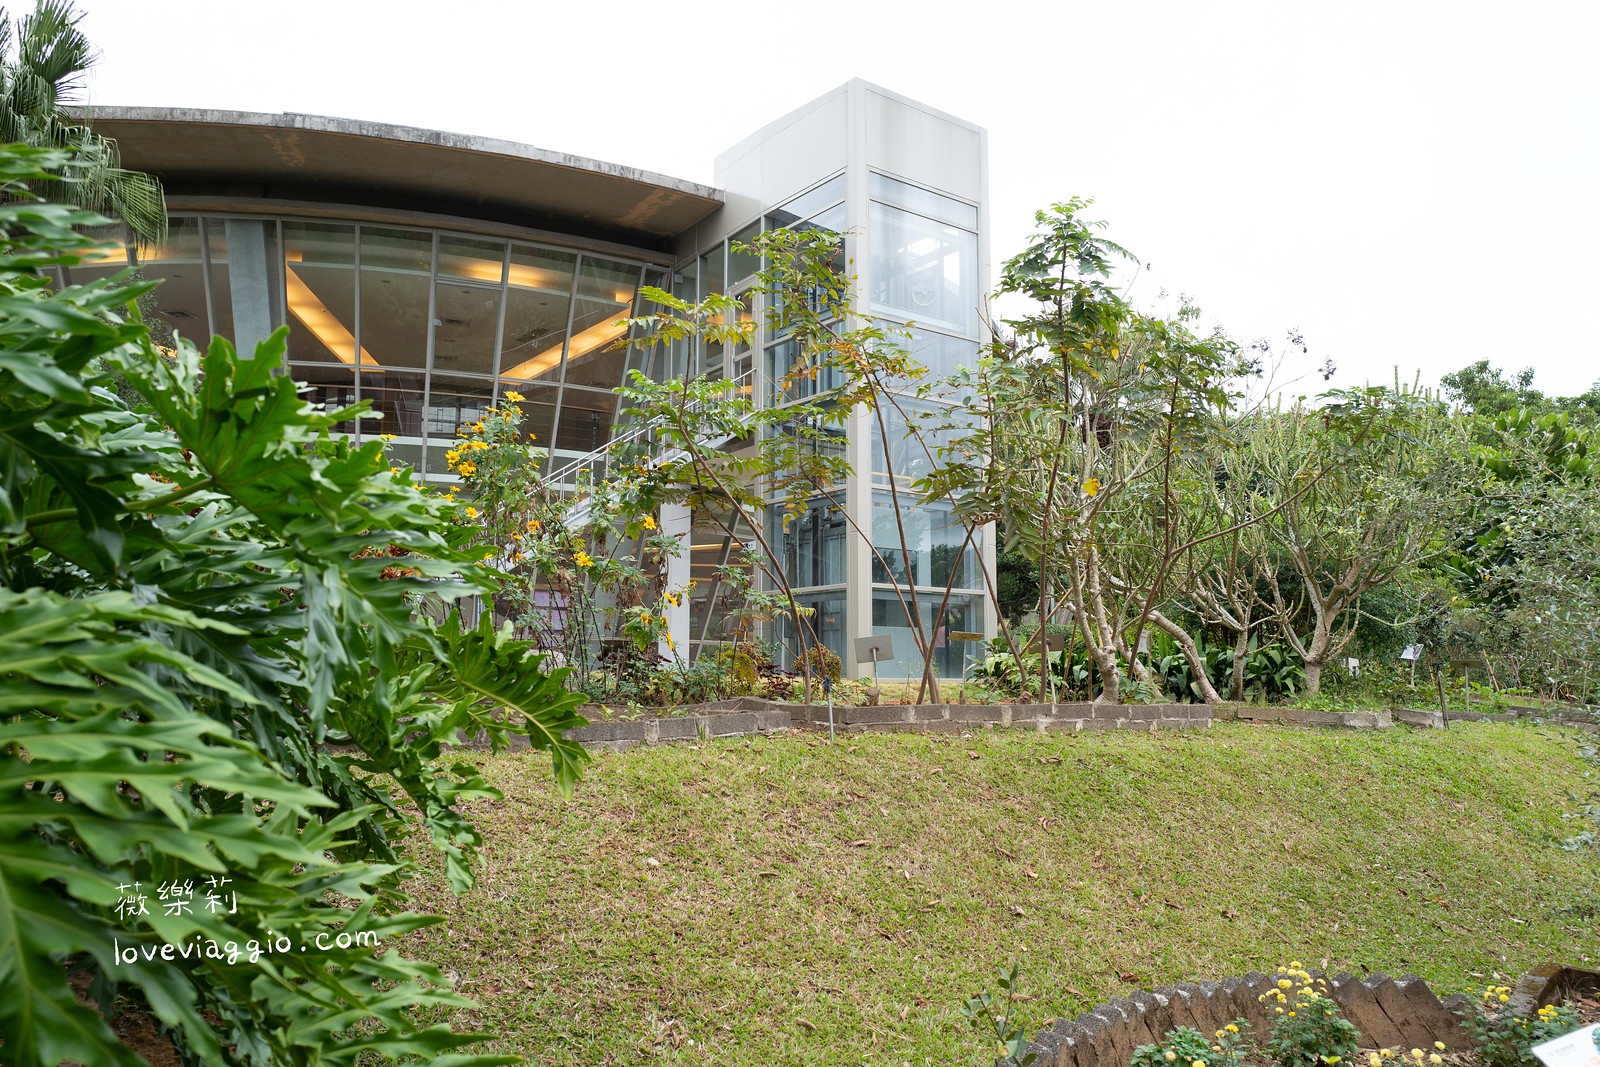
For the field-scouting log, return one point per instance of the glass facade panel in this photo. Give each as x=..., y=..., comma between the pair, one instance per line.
x=604, y=299
x=320, y=290
x=331, y=385
x=913, y=450
x=790, y=379
x=397, y=397
x=216, y=243
x=585, y=419
x=923, y=270
x=538, y=406
x=922, y=201
x=951, y=655
x=538, y=297
x=395, y=268
x=454, y=403
x=471, y=258
x=812, y=542
x=180, y=299
x=807, y=204
x=742, y=265
x=466, y=321
x=933, y=541
x=828, y=620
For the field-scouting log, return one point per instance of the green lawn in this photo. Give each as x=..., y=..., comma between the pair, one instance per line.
x=780, y=901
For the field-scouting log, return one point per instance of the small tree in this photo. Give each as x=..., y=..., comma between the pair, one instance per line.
x=1377, y=506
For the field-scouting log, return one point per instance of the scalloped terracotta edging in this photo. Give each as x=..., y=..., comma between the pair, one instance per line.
x=1390, y=1012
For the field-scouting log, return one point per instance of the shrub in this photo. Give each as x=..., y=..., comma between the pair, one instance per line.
x=1187, y=1047
x=1307, y=1029
x=220, y=709
x=1503, y=1037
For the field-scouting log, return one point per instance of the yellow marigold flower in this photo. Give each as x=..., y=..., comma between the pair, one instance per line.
x=1374, y=1060
x=1436, y=1059
x=514, y=396
x=1504, y=999
x=1284, y=983
x=1439, y=1045
x=583, y=559
x=649, y=522
x=1231, y=1028
x=1198, y=1063
x=1416, y=1054
x=1171, y=1056
x=1291, y=1015
x=472, y=512
x=1295, y=965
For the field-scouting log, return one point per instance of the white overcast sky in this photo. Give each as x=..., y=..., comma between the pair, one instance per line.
x=1412, y=185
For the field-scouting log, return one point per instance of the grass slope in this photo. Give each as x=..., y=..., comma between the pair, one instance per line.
x=786, y=902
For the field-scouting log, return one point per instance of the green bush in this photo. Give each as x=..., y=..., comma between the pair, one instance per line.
x=216, y=677
x=1504, y=1038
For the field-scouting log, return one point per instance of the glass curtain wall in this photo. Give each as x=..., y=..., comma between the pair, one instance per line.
x=431, y=327
x=922, y=280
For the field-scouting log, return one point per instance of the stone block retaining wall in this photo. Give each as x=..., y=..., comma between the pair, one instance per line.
x=1389, y=1012
x=960, y=718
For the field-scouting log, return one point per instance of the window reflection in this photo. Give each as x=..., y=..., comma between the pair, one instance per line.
x=320, y=290
x=923, y=270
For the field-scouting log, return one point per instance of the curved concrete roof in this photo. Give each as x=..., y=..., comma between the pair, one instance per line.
x=310, y=157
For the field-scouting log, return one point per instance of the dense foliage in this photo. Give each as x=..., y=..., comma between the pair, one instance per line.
x=225, y=705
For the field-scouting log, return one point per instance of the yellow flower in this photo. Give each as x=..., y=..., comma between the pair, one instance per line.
x=1295, y=965
x=1283, y=983
x=514, y=396
x=1439, y=1045
x=516, y=557
x=1198, y=1063
x=1374, y=1060
x=533, y=525
x=649, y=522
x=472, y=512
x=468, y=469
x=583, y=559
x=1436, y=1059
x=386, y=437
x=488, y=555
x=1091, y=487
x=1416, y=1054
x=1171, y=1056
x=1231, y=1028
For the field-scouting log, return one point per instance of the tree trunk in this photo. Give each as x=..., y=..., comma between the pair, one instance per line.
x=1313, y=678
x=1241, y=654
x=1191, y=652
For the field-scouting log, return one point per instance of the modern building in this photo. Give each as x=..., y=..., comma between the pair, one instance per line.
x=431, y=272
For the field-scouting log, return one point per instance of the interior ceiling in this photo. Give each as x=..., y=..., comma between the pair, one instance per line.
x=344, y=161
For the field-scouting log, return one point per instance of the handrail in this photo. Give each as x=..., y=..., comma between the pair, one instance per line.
x=572, y=466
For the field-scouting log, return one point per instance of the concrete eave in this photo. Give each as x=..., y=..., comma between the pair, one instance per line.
x=313, y=157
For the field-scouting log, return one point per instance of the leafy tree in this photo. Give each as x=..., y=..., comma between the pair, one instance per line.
x=1378, y=505
x=1525, y=560
x=216, y=672
x=1088, y=442
x=43, y=60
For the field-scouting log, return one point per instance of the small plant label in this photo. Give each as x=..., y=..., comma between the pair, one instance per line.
x=1581, y=1048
